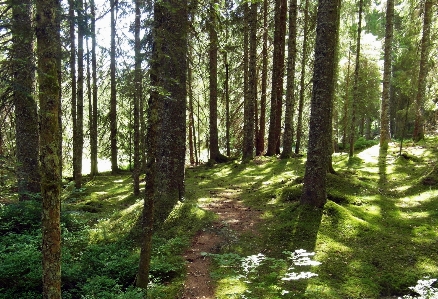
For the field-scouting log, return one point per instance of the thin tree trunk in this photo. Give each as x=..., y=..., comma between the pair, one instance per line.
x=356, y=83
x=384, y=114
x=80, y=97
x=48, y=40
x=215, y=154
x=73, y=82
x=418, y=133
x=302, y=78
x=137, y=98
x=93, y=133
x=290, y=94
x=260, y=143
x=346, y=100
x=251, y=86
x=227, y=104
x=113, y=101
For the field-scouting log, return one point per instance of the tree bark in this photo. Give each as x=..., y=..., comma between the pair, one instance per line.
x=314, y=189
x=355, y=83
x=93, y=129
x=277, y=78
x=113, y=100
x=290, y=94
x=166, y=134
x=251, y=98
x=302, y=79
x=79, y=141
x=137, y=98
x=26, y=115
x=215, y=154
x=418, y=133
x=384, y=114
x=260, y=142
x=48, y=45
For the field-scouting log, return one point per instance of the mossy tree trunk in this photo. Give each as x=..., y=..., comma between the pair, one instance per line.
x=26, y=115
x=418, y=133
x=355, y=83
x=48, y=54
x=290, y=85
x=384, y=111
x=166, y=134
x=314, y=189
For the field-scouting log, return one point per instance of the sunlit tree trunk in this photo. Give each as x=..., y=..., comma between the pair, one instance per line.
x=345, y=104
x=113, y=100
x=48, y=56
x=304, y=55
x=355, y=83
x=137, y=98
x=384, y=111
x=251, y=92
x=290, y=94
x=26, y=117
x=418, y=133
x=260, y=141
x=314, y=189
x=93, y=127
x=277, y=78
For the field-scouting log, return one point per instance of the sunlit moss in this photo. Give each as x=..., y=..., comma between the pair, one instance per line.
x=230, y=287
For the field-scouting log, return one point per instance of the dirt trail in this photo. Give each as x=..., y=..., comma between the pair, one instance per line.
x=234, y=219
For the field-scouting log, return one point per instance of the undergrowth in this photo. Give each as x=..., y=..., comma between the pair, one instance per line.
x=375, y=238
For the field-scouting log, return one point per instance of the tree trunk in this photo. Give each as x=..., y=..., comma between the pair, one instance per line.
x=137, y=98
x=418, y=133
x=277, y=78
x=314, y=189
x=93, y=130
x=345, y=106
x=251, y=98
x=26, y=115
x=79, y=141
x=384, y=114
x=166, y=134
x=290, y=94
x=113, y=101
x=355, y=83
x=48, y=40
x=260, y=142
x=215, y=154
x=303, y=75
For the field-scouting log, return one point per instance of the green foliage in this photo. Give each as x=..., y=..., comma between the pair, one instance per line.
x=20, y=217
x=361, y=143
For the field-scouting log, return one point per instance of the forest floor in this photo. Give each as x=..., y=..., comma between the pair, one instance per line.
x=233, y=220
x=241, y=233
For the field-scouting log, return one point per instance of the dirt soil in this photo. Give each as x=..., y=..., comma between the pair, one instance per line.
x=233, y=219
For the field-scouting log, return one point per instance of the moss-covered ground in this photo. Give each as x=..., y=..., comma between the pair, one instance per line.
x=376, y=236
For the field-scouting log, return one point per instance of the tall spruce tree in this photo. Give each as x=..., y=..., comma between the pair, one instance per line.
x=314, y=189
x=48, y=57
x=166, y=134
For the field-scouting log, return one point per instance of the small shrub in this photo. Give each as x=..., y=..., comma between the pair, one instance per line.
x=20, y=217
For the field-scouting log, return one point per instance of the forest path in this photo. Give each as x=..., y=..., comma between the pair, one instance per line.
x=233, y=219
